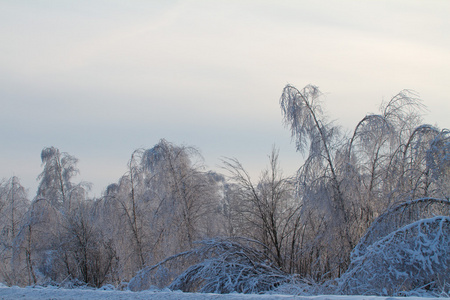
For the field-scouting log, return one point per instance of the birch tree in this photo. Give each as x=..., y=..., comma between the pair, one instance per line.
x=345, y=183
x=319, y=182
x=162, y=205
x=56, y=179
x=46, y=235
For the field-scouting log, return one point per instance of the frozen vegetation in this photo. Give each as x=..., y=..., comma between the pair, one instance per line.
x=366, y=214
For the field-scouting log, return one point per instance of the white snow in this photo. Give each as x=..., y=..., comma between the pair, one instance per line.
x=58, y=293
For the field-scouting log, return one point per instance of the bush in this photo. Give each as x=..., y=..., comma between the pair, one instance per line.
x=412, y=259
x=217, y=266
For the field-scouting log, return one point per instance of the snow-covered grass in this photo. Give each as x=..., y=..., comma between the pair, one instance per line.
x=58, y=293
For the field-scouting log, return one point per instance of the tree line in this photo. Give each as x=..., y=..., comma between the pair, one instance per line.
x=167, y=201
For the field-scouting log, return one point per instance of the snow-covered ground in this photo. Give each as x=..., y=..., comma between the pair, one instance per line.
x=58, y=293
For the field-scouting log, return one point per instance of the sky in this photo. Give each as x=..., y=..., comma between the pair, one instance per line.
x=101, y=78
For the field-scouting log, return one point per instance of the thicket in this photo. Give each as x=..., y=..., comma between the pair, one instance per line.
x=365, y=214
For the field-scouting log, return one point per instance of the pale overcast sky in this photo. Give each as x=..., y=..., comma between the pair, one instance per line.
x=98, y=79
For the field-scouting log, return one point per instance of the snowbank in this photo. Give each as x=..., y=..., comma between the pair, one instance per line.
x=56, y=293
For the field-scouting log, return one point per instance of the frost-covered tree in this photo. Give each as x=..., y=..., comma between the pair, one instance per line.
x=169, y=170
x=346, y=182
x=38, y=235
x=164, y=203
x=185, y=197
x=374, y=202
x=56, y=179
x=377, y=156
x=438, y=162
x=416, y=180
x=131, y=206
x=45, y=239
x=320, y=185
x=13, y=206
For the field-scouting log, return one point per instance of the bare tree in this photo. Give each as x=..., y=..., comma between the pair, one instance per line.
x=86, y=251
x=268, y=211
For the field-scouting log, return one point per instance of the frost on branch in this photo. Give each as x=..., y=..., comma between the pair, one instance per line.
x=217, y=266
x=438, y=160
x=414, y=257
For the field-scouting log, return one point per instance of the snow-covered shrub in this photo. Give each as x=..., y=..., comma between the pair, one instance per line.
x=107, y=287
x=305, y=287
x=217, y=266
x=150, y=277
x=399, y=216
x=230, y=272
x=414, y=258
x=72, y=283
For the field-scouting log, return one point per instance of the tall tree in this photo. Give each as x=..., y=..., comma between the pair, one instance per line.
x=320, y=185
x=376, y=158
x=55, y=180
x=48, y=235
x=162, y=205
x=187, y=190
